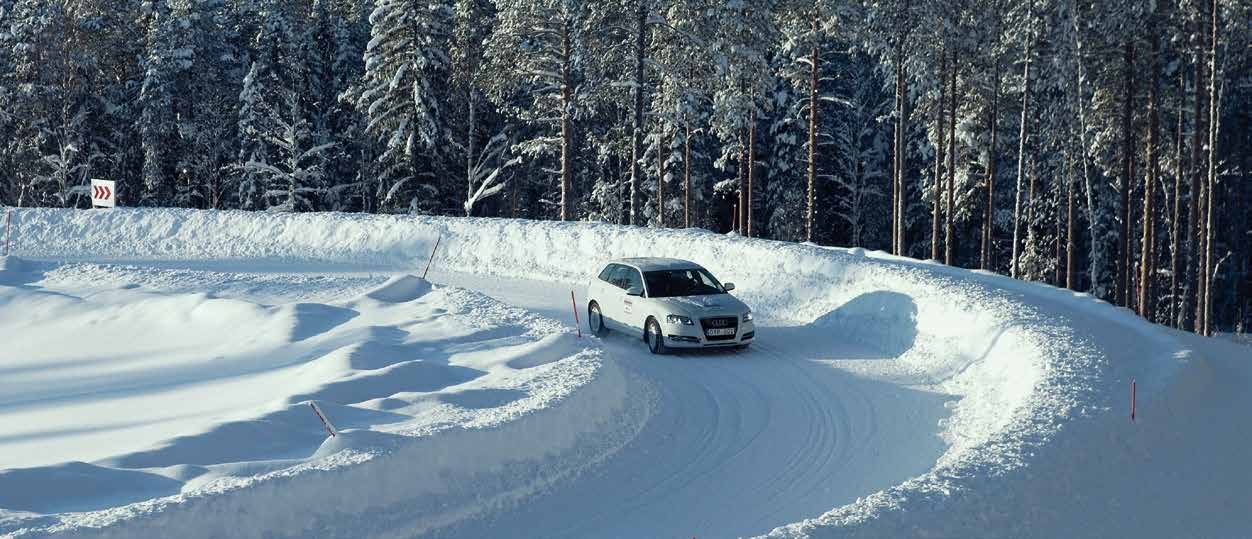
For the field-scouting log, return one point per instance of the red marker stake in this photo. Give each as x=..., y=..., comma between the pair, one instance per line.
x=432, y=255
x=325, y=422
x=577, y=323
x=1132, y=400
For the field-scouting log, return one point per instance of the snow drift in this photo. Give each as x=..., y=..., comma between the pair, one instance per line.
x=1038, y=444
x=128, y=412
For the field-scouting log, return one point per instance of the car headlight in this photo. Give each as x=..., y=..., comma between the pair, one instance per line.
x=678, y=319
x=747, y=317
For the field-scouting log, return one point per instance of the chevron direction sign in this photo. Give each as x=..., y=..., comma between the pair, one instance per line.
x=103, y=193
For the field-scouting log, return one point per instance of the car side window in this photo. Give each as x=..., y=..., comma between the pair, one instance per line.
x=606, y=274
x=614, y=275
x=633, y=279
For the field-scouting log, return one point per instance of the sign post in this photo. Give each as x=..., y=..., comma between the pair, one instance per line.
x=103, y=193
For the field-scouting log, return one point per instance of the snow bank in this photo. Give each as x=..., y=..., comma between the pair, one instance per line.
x=182, y=410
x=1040, y=371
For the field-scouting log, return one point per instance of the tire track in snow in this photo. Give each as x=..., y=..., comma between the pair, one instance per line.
x=740, y=443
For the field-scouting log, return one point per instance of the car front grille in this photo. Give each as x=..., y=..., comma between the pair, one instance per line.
x=720, y=322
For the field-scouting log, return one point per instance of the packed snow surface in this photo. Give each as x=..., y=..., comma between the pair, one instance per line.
x=164, y=359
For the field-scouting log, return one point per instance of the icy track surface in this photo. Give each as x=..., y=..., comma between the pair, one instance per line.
x=884, y=397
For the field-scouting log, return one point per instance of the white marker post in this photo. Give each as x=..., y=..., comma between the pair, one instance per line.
x=103, y=193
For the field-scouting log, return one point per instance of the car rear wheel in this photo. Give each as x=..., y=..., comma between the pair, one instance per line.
x=656, y=340
x=595, y=320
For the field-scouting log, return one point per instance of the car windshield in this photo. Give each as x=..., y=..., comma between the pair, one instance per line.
x=683, y=282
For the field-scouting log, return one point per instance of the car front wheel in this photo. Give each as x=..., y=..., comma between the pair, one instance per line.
x=595, y=320
x=656, y=339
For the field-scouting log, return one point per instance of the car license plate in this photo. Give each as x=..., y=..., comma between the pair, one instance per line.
x=719, y=332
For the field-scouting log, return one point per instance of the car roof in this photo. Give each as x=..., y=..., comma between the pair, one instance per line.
x=656, y=264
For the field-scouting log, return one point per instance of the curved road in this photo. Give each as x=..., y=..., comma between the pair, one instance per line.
x=740, y=442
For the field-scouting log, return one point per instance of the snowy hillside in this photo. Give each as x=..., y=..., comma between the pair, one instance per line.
x=885, y=396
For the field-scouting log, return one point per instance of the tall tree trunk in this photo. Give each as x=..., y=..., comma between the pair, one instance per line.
x=1214, y=120
x=1058, y=273
x=1192, y=291
x=950, y=206
x=904, y=124
x=811, y=197
x=1094, y=218
x=1175, y=227
x=937, y=186
x=1069, y=241
x=1021, y=148
x=636, y=141
x=741, y=211
x=1146, y=257
x=660, y=175
x=748, y=230
x=687, y=176
x=1128, y=157
x=989, y=213
x=469, y=152
x=895, y=159
x=567, y=83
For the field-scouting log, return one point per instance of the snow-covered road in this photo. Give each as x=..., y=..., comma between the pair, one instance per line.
x=884, y=397
x=740, y=443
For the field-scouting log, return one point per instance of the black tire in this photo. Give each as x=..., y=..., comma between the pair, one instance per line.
x=653, y=336
x=595, y=320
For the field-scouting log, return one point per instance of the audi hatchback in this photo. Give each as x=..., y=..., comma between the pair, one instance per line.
x=669, y=303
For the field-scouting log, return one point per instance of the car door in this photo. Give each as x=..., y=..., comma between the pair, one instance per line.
x=610, y=295
x=632, y=308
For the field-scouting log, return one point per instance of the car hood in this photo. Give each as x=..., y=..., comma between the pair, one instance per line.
x=702, y=306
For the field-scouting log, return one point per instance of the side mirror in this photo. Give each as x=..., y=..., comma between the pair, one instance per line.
x=728, y=286
x=634, y=291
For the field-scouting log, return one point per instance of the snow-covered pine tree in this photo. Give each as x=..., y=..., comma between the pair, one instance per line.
x=280, y=157
x=51, y=108
x=804, y=51
x=335, y=62
x=157, y=125
x=862, y=152
x=483, y=147
x=295, y=180
x=680, y=46
x=739, y=52
x=784, y=158
x=208, y=115
x=405, y=61
x=254, y=122
x=535, y=58
x=8, y=121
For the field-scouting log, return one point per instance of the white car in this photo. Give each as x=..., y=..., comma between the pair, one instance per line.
x=670, y=303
